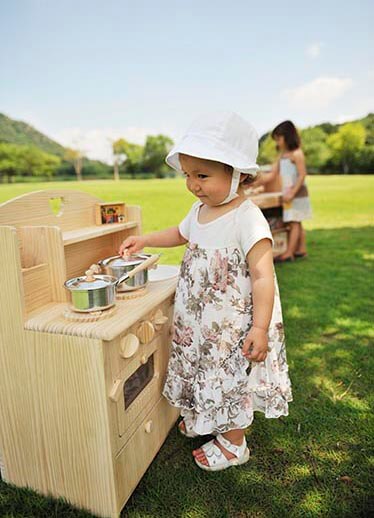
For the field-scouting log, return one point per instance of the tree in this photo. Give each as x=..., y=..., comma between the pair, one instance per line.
x=27, y=160
x=267, y=153
x=346, y=144
x=364, y=162
x=314, y=143
x=10, y=163
x=132, y=156
x=75, y=157
x=35, y=162
x=119, y=155
x=155, y=150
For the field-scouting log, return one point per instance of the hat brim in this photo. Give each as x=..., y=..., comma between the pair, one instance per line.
x=201, y=147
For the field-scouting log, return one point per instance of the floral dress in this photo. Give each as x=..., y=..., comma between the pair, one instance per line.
x=215, y=386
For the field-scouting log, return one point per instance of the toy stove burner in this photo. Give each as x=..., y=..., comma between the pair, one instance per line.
x=128, y=295
x=89, y=316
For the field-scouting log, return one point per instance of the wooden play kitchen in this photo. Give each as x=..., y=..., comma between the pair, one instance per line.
x=81, y=409
x=82, y=415
x=270, y=202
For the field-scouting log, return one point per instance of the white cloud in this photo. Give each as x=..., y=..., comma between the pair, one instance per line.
x=340, y=119
x=318, y=93
x=97, y=143
x=314, y=49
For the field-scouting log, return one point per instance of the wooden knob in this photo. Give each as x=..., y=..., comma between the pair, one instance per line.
x=159, y=319
x=116, y=390
x=95, y=268
x=143, y=359
x=145, y=332
x=148, y=427
x=89, y=275
x=129, y=346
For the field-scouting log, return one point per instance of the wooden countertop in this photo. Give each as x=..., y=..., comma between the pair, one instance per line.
x=50, y=319
x=267, y=200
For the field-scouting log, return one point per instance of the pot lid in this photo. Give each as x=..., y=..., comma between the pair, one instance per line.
x=119, y=261
x=81, y=283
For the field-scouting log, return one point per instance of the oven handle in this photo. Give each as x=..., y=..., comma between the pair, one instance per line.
x=117, y=390
x=117, y=387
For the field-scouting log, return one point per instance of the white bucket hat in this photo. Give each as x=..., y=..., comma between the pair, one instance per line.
x=224, y=137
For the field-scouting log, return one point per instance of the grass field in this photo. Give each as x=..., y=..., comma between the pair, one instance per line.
x=317, y=462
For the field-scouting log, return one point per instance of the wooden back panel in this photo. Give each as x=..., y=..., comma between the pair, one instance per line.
x=35, y=208
x=275, y=185
x=47, y=257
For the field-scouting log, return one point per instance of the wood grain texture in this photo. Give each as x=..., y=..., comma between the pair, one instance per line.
x=267, y=200
x=49, y=319
x=142, y=448
x=34, y=209
x=60, y=433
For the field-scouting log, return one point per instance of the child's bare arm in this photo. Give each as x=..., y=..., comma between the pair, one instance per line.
x=260, y=264
x=267, y=177
x=164, y=239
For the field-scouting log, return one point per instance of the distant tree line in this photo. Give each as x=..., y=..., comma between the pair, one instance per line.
x=149, y=159
x=347, y=148
x=23, y=162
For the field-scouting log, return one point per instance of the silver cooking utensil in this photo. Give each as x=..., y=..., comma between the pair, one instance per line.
x=94, y=292
x=117, y=266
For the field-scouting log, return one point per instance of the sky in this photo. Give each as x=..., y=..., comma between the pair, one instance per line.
x=88, y=72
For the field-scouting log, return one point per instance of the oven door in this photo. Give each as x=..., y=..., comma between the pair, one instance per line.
x=137, y=388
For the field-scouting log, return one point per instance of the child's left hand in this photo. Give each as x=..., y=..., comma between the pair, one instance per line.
x=288, y=195
x=255, y=347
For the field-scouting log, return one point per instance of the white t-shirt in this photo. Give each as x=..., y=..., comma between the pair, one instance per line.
x=243, y=226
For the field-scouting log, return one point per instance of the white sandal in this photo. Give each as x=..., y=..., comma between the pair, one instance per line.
x=189, y=434
x=216, y=458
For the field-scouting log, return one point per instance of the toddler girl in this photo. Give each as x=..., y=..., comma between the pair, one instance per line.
x=228, y=352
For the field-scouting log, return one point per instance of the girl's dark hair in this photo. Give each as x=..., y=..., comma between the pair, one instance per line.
x=288, y=130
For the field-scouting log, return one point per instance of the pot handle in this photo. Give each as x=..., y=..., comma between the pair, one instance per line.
x=107, y=260
x=148, y=262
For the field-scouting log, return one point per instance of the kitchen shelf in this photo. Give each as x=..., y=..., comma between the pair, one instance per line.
x=83, y=234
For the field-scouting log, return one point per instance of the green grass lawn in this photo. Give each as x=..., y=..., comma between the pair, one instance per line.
x=317, y=461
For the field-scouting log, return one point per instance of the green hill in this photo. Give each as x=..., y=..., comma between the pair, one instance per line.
x=18, y=132
x=22, y=134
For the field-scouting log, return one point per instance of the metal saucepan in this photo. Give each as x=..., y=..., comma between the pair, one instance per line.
x=97, y=292
x=118, y=266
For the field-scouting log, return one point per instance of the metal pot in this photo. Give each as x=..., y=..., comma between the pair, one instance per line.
x=92, y=292
x=97, y=292
x=117, y=266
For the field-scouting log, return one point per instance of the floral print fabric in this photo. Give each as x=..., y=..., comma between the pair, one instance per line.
x=215, y=386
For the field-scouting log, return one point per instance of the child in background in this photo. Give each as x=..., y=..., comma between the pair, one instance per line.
x=296, y=203
x=227, y=354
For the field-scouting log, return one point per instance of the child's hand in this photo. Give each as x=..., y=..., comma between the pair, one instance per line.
x=255, y=347
x=131, y=245
x=288, y=195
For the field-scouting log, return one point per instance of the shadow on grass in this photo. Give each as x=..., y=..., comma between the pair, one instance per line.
x=315, y=462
